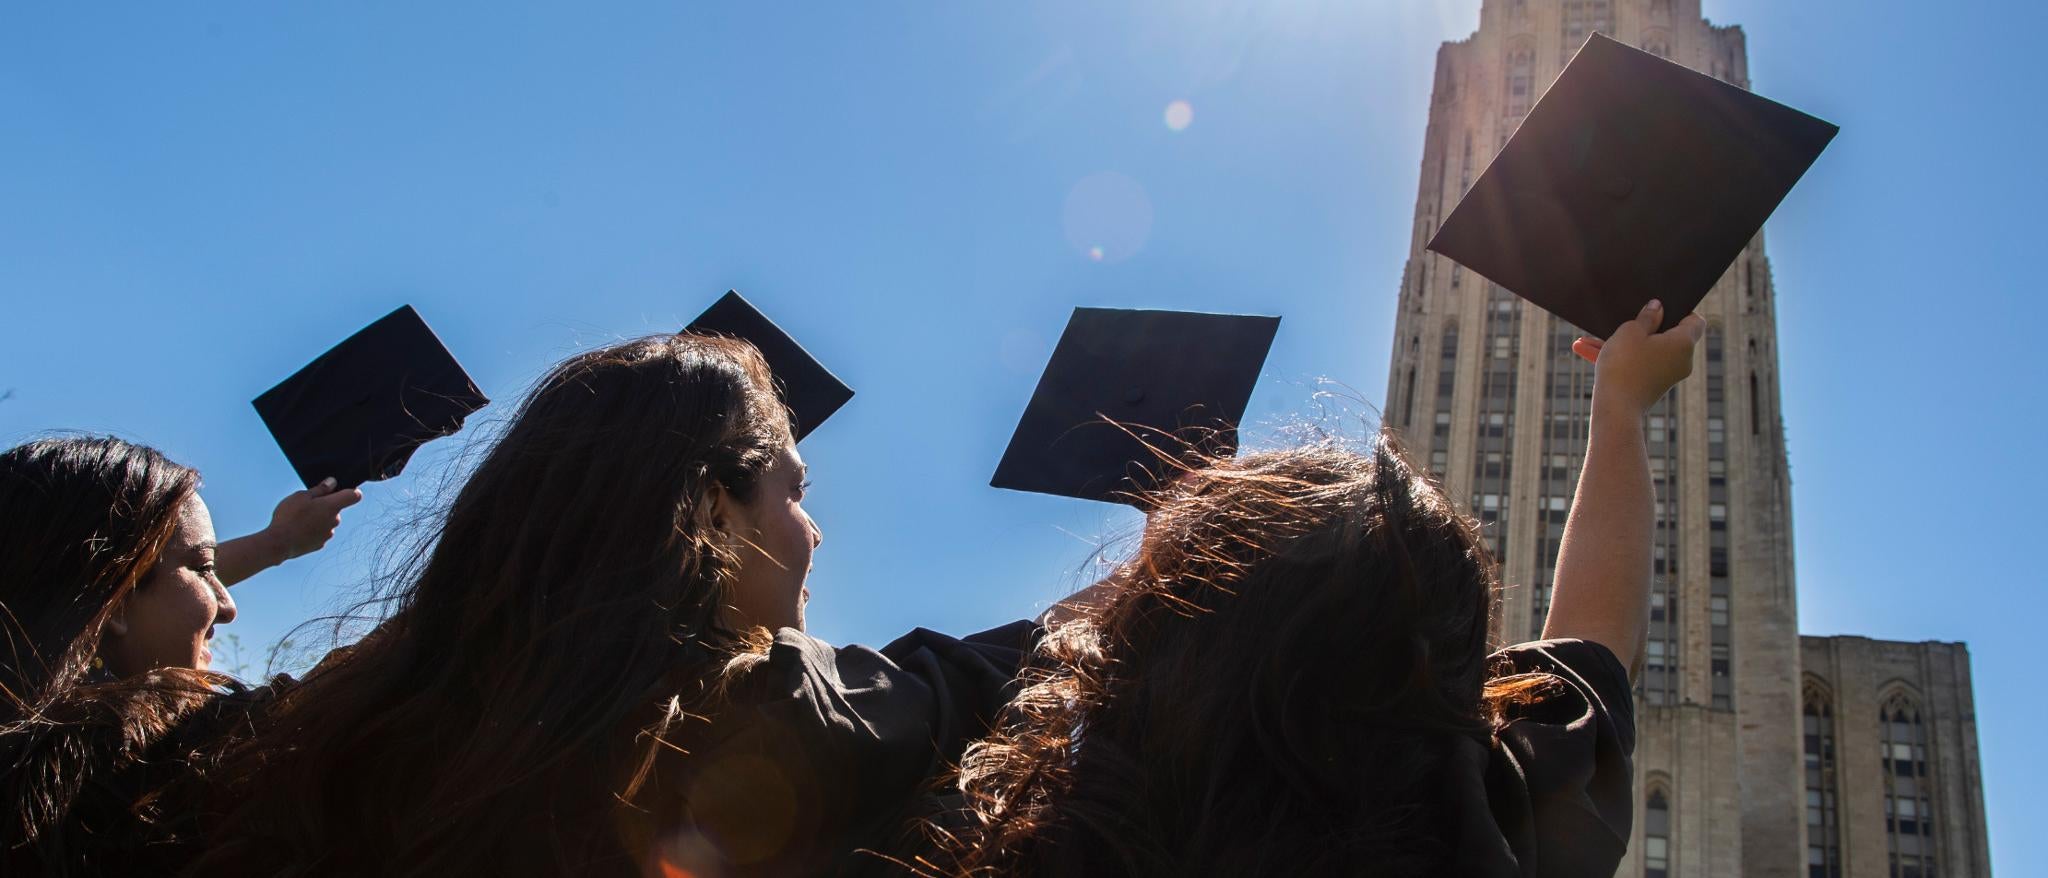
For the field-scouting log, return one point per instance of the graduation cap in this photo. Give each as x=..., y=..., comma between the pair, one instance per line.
x=811, y=391
x=1633, y=178
x=1122, y=380
x=357, y=412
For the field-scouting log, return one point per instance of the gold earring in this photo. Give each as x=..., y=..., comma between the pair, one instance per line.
x=99, y=664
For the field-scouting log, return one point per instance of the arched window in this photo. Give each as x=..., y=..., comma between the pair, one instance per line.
x=1823, y=824
x=1657, y=835
x=1908, y=788
x=1521, y=78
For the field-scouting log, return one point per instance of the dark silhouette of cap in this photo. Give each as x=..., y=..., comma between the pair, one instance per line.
x=357, y=412
x=1122, y=388
x=1633, y=178
x=811, y=391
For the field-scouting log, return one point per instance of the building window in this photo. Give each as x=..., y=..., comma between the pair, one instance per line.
x=1446, y=384
x=1521, y=79
x=1464, y=185
x=1657, y=835
x=1756, y=417
x=1908, y=788
x=1408, y=399
x=1823, y=829
x=1567, y=400
x=1493, y=453
x=1583, y=18
x=1720, y=594
x=1661, y=678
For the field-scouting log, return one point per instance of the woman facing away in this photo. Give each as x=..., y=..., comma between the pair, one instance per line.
x=111, y=586
x=598, y=666
x=1292, y=676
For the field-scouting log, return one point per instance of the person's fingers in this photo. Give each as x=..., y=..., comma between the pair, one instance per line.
x=340, y=500
x=324, y=488
x=1651, y=317
x=1695, y=325
x=1643, y=324
x=1587, y=349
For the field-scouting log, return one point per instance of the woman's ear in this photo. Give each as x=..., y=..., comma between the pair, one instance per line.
x=722, y=507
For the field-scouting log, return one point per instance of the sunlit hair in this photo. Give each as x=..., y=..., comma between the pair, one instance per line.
x=542, y=652
x=1288, y=660
x=83, y=522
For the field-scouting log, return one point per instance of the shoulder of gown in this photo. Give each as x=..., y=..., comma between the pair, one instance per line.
x=1559, y=780
x=821, y=750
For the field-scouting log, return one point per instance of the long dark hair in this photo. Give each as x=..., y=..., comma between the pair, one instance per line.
x=83, y=521
x=544, y=649
x=1289, y=659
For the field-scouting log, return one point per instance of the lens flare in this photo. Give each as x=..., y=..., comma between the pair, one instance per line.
x=1107, y=217
x=1179, y=115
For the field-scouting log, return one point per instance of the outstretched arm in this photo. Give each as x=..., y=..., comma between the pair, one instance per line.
x=1602, y=585
x=302, y=524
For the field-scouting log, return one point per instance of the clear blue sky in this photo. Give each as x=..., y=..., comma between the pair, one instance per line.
x=197, y=198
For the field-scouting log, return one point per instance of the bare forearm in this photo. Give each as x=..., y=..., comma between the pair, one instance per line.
x=242, y=557
x=1602, y=586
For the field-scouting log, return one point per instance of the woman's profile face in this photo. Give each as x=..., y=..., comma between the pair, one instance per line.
x=775, y=541
x=168, y=619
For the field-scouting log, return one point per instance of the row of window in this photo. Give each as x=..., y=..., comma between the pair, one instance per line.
x=1909, y=813
x=1720, y=596
x=1493, y=463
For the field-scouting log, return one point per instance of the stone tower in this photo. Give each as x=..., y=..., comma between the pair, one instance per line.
x=1759, y=754
x=1487, y=392
x=1864, y=763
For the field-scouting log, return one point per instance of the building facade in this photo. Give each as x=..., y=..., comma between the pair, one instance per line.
x=1486, y=391
x=1890, y=746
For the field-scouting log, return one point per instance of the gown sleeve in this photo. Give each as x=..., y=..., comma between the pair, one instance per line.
x=1560, y=780
x=822, y=750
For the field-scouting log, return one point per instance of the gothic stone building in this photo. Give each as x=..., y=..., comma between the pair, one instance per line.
x=1761, y=753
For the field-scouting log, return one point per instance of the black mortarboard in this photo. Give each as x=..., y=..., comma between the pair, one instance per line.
x=1174, y=380
x=1633, y=178
x=357, y=412
x=811, y=391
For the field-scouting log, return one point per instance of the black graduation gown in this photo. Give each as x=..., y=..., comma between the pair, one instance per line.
x=125, y=811
x=821, y=752
x=1553, y=795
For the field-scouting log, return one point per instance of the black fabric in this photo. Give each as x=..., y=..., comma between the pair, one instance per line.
x=1553, y=796
x=823, y=751
x=130, y=812
x=359, y=411
x=1633, y=177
